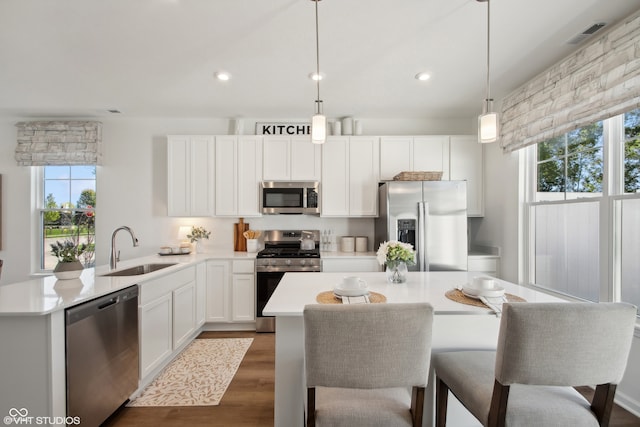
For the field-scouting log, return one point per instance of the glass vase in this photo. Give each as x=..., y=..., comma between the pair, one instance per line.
x=397, y=272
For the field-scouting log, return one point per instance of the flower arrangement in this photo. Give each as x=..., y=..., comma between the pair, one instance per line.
x=394, y=252
x=198, y=233
x=67, y=251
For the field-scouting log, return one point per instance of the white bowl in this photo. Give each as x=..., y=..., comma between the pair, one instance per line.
x=475, y=291
x=351, y=287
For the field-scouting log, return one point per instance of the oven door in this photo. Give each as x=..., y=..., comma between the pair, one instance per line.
x=266, y=283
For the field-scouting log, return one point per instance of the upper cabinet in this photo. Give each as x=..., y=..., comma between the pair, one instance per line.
x=238, y=173
x=467, y=163
x=350, y=174
x=190, y=175
x=291, y=158
x=413, y=153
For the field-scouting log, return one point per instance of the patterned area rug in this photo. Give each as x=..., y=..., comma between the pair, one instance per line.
x=199, y=376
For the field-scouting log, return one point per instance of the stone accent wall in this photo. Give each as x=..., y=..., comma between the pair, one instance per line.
x=59, y=143
x=596, y=82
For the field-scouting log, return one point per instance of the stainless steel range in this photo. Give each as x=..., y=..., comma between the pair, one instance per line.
x=283, y=253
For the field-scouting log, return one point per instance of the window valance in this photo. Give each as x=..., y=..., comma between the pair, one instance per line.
x=59, y=143
x=596, y=82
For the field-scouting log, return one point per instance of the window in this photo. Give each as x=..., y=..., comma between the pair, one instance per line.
x=570, y=166
x=67, y=210
x=583, y=212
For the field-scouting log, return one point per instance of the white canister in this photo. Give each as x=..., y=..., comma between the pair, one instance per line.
x=252, y=245
x=347, y=126
x=357, y=124
x=337, y=128
x=347, y=244
x=361, y=243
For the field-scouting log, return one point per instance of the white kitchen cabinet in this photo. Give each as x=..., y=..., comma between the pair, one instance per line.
x=350, y=170
x=231, y=292
x=201, y=293
x=156, y=334
x=217, y=291
x=413, y=153
x=167, y=311
x=467, y=163
x=291, y=158
x=184, y=313
x=238, y=173
x=190, y=172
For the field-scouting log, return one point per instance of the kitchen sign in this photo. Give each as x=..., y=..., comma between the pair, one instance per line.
x=283, y=128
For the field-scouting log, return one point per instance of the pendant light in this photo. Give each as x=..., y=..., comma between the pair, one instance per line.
x=318, y=121
x=488, y=120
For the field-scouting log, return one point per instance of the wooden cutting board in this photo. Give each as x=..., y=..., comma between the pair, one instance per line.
x=239, y=241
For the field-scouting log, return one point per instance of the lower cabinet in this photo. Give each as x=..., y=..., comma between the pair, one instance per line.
x=168, y=312
x=230, y=291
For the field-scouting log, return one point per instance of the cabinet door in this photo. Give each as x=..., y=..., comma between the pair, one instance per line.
x=201, y=293
x=249, y=175
x=467, y=163
x=276, y=158
x=395, y=156
x=184, y=313
x=363, y=176
x=243, y=298
x=156, y=334
x=217, y=291
x=226, y=176
x=305, y=159
x=335, y=177
x=178, y=176
x=431, y=153
x=202, y=174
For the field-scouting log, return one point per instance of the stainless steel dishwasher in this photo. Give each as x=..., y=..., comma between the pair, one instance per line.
x=102, y=355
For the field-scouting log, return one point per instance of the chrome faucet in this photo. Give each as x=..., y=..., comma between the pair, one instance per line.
x=115, y=256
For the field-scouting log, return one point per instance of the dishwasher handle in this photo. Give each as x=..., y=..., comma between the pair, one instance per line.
x=89, y=308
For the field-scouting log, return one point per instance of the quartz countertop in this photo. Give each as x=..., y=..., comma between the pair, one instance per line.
x=296, y=290
x=46, y=294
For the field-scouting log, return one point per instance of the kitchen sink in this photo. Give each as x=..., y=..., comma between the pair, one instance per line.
x=140, y=269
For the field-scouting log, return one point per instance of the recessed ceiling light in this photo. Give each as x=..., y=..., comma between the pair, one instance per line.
x=423, y=76
x=222, y=75
x=315, y=76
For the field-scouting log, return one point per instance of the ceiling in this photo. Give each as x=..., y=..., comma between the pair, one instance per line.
x=156, y=58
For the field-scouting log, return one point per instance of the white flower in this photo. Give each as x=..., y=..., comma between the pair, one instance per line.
x=394, y=251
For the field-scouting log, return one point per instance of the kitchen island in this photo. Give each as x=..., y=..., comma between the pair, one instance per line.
x=456, y=327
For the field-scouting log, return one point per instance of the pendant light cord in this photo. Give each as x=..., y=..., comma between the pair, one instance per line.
x=318, y=102
x=488, y=94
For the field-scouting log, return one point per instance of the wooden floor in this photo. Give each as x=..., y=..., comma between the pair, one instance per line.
x=249, y=399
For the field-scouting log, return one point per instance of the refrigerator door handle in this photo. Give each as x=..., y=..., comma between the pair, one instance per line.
x=423, y=220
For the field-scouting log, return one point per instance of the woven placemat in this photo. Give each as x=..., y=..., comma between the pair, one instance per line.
x=327, y=297
x=457, y=296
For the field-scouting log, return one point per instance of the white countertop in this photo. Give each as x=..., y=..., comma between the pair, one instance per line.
x=46, y=294
x=296, y=290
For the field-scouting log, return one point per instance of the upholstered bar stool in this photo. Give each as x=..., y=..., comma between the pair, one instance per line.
x=544, y=350
x=367, y=365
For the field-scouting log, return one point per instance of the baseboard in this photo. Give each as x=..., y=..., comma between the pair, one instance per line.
x=249, y=326
x=627, y=403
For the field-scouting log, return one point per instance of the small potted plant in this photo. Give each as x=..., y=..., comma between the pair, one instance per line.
x=67, y=252
x=197, y=234
x=396, y=255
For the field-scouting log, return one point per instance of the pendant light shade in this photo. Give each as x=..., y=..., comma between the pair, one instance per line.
x=488, y=120
x=318, y=129
x=318, y=121
x=488, y=128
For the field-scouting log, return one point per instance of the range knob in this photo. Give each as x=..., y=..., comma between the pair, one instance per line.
x=288, y=262
x=303, y=262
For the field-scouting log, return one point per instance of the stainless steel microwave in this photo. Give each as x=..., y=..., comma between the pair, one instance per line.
x=290, y=197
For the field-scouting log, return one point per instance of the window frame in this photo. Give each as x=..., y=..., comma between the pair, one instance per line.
x=38, y=250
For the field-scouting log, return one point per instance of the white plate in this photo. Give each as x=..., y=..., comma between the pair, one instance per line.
x=475, y=292
x=351, y=291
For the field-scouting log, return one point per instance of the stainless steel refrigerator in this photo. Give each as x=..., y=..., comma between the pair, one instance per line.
x=431, y=215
